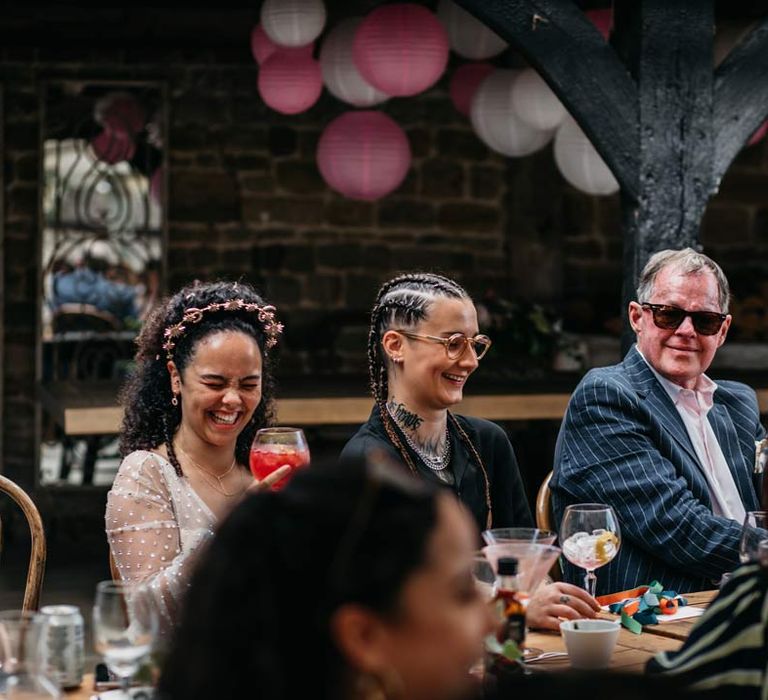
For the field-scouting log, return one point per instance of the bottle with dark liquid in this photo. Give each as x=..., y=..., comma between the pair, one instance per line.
x=513, y=625
x=504, y=651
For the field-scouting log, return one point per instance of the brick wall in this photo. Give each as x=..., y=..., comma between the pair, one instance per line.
x=246, y=200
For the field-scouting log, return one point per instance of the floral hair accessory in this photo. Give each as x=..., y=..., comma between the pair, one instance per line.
x=266, y=315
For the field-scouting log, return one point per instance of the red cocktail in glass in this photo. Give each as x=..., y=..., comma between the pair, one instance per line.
x=274, y=447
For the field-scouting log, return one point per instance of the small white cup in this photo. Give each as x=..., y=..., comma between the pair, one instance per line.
x=590, y=643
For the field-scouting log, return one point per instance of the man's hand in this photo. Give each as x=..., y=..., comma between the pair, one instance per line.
x=556, y=601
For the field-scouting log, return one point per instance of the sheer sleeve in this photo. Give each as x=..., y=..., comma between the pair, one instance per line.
x=149, y=542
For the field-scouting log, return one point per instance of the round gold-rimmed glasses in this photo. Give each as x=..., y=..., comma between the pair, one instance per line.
x=456, y=344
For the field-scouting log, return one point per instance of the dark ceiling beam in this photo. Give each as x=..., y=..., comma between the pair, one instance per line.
x=560, y=42
x=740, y=97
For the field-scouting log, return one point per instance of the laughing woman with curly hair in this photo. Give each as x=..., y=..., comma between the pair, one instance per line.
x=201, y=388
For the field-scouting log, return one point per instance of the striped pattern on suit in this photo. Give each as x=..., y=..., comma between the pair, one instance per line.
x=622, y=442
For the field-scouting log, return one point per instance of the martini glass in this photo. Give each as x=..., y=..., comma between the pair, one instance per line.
x=753, y=533
x=534, y=560
x=531, y=535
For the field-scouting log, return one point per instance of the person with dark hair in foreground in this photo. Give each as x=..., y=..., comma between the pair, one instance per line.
x=354, y=581
x=201, y=388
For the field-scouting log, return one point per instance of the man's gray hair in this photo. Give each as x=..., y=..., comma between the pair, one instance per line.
x=688, y=262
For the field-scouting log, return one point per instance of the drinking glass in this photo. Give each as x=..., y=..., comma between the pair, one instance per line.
x=485, y=576
x=590, y=538
x=753, y=532
x=23, y=657
x=274, y=447
x=533, y=562
x=124, y=626
x=508, y=535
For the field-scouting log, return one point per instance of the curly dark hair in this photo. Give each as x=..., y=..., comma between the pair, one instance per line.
x=258, y=611
x=150, y=419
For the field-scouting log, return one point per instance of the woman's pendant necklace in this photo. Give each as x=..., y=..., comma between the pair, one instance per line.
x=209, y=476
x=436, y=463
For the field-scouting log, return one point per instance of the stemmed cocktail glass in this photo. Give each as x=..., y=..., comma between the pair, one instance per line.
x=125, y=623
x=590, y=538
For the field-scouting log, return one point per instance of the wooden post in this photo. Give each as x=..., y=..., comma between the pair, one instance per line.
x=666, y=123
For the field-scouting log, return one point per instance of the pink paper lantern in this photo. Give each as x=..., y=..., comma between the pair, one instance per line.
x=290, y=83
x=120, y=111
x=464, y=83
x=759, y=134
x=363, y=155
x=113, y=146
x=262, y=47
x=401, y=49
x=603, y=20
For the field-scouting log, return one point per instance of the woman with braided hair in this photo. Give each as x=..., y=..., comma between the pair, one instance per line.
x=201, y=388
x=423, y=345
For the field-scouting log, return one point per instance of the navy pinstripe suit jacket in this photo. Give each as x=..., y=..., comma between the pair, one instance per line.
x=622, y=442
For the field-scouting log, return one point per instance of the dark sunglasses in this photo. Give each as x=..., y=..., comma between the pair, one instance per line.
x=670, y=317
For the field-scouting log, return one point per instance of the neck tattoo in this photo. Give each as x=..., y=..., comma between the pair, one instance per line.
x=404, y=417
x=432, y=453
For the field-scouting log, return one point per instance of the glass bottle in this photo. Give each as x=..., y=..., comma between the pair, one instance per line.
x=504, y=650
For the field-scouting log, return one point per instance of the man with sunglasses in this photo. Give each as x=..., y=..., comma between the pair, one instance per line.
x=671, y=450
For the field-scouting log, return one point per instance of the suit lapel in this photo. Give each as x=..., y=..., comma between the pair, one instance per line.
x=656, y=395
x=727, y=437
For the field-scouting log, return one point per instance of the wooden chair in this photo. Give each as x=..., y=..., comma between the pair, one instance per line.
x=544, y=519
x=38, y=550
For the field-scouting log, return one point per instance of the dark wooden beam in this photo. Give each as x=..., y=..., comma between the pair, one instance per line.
x=581, y=68
x=741, y=97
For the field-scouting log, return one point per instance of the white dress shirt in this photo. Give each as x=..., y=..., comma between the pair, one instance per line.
x=693, y=405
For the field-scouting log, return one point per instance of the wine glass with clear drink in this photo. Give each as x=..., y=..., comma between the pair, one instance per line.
x=753, y=531
x=125, y=624
x=274, y=447
x=590, y=537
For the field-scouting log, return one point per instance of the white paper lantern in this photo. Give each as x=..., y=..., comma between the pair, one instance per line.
x=293, y=22
x=496, y=123
x=467, y=35
x=340, y=75
x=580, y=163
x=535, y=103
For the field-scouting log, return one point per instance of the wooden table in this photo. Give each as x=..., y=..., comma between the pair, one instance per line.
x=632, y=650
x=631, y=654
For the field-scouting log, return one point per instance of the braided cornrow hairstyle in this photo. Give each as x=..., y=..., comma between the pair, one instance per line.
x=403, y=302
x=150, y=419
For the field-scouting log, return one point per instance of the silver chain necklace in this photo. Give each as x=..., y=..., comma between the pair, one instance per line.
x=436, y=463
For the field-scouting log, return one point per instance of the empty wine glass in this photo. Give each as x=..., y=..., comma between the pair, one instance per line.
x=484, y=575
x=125, y=622
x=274, y=447
x=590, y=538
x=753, y=532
